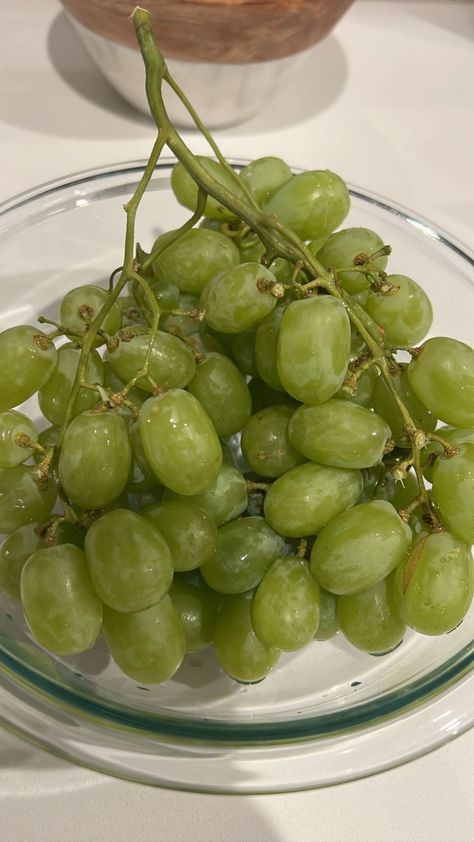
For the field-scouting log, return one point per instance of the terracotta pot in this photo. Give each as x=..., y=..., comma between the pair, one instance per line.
x=222, y=31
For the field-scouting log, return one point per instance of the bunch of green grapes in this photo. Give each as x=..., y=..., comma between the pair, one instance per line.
x=224, y=460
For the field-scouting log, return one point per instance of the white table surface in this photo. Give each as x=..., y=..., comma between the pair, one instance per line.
x=386, y=102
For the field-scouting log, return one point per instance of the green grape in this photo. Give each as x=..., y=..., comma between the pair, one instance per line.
x=364, y=395
x=454, y=437
x=244, y=550
x=112, y=382
x=65, y=532
x=203, y=344
x=312, y=203
x=263, y=396
x=370, y=619
x=405, y=315
x=303, y=500
x=186, y=190
x=95, y=459
x=28, y=358
x=180, y=442
x=342, y=248
x=313, y=348
x=358, y=344
x=195, y=258
x=81, y=305
x=13, y=424
x=131, y=316
x=189, y=531
x=129, y=561
x=399, y=494
x=266, y=342
x=386, y=407
x=59, y=603
x=223, y=392
x=224, y=500
x=285, y=609
x=197, y=609
x=266, y=444
x=339, y=433
x=442, y=377
x=328, y=624
x=240, y=298
x=243, y=351
x=148, y=646
x=315, y=246
x=252, y=250
x=171, y=364
x=183, y=326
x=264, y=176
x=434, y=586
x=47, y=438
x=141, y=477
x=22, y=500
x=166, y=294
x=240, y=653
x=360, y=547
x=54, y=396
x=453, y=492
x=14, y=552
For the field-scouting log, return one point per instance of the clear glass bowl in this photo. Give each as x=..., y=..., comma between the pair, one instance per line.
x=328, y=713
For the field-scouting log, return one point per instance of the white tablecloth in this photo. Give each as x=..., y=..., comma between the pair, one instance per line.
x=386, y=101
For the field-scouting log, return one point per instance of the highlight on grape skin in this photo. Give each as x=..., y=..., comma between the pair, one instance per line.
x=231, y=448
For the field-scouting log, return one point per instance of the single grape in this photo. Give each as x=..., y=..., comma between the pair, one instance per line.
x=386, y=407
x=239, y=651
x=166, y=294
x=189, y=531
x=312, y=203
x=148, y=645
x=240, y=298
x=54, y=396
x=244, y=550
x=341, y=250
x=304, y=499
x=129, y=561
x=266, y=444
x=23, y=499
x=434, y=586
x=243, y=351
x=442, y=377
x=141, y=477
x=454, y=436
x=370, y=619
x=186, y=190
x=406, y=315
x=60, y=606
x=328, y=625
x=47, y=438
x=197, y=609
x=81, y=305
x=185, y=321
x=223, y=392
x=13, y=424
x=339, y=433
x=180, y=442
x=264, y=176
x=196, y=258
x=224, y=500
x=263, y=396
x=14, y=552
x=453, y=492
x=28, y=358
x=171, y=364
x=266, y=342
x=360, y=547
x=95, y=459
x=313, y=348
x=285, y=609
x=203, y=344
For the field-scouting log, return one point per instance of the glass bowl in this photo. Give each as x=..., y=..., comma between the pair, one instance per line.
x=328, y=713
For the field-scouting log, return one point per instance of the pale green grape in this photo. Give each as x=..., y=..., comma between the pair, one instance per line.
x=195, y=258
x=252, y=250
x=223, y=392
x=454, y=436
x=453, y=492
x=202, y=344
x=266, y=444
x=13, y=424
x=312, y=203
x=304, y=499
x=166, y=294
x=360, y=547
x=141, y=477
x=47, y=438
x=264, y=176
x=22, y=498
x=224, y=500
x=434, y=587
x=386, y=407
x=364, y=395
x=244, y=550
x=171, y=363
x=186, y=190
x=406, y=315
x=197, y=608
x=95, y=459
x=243, y=351
x=442, y=377
x=81, y=305
x=148, y=645
x=313, y=348
x=370, y=619
x=180, y=325
x=59, y=603
x=189, y=531
x=399, y=494
x=54, y=396
x=342, y=248
x=239, y=651
x=28, y=358
x=285, y=610
x=180, y=442
x=339, y=433
x=266, y=342
x=240, y=298
x=14, y=552
x=328, y=624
